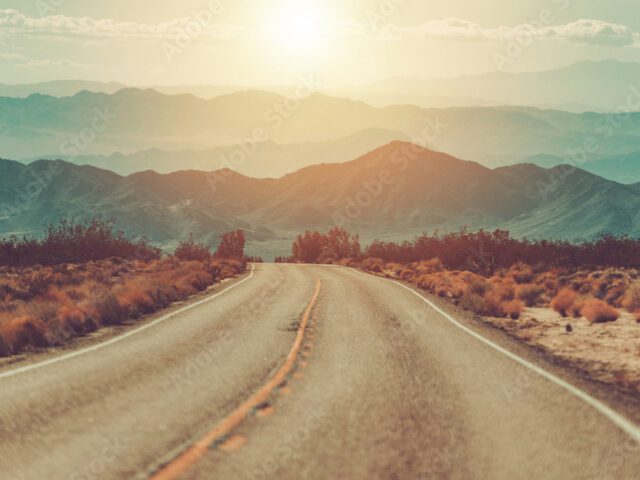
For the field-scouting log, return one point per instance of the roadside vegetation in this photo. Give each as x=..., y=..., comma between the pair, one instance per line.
x=81, y=277
x=579, y=301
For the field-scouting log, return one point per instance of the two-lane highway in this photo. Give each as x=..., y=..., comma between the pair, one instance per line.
x=386, y=388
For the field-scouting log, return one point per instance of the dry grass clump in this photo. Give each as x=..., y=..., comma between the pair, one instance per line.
x=372, y=264
x=514, y=309
x=631, y=299
x=595, y=294
x=598, y=311
x=45, y=306
x=529, y=293
x=564, y=301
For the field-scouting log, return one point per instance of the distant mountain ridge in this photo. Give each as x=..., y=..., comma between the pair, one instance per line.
x=394, y=192
x=580, y=87
x=263, y=159
x=142, y=119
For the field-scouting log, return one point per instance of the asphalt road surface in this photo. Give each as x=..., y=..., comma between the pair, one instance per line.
x=384, y=387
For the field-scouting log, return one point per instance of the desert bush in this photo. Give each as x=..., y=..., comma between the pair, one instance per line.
x=529, y=294
x=472, y=301
x=514, y=309
x=521, y=273
x=190, y=250
x=231, y=245
x=314, y=247
x=632, y=298
x=74, y=242
x=564, y=301
x=598, y=311
x=372, y=264
x=75, y=299
x=494, y=306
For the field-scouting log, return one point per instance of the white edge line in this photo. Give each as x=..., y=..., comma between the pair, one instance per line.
x=623, y=423
x=119, y=338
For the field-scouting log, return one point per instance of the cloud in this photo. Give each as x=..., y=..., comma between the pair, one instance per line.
x=13, y=22
x=594, y=32
x=202, y=25
x=585, y=32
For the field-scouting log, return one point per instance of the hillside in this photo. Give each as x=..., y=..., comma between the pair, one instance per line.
x=396, y=191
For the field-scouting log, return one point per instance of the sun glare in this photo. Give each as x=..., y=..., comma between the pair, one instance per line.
x=299, y=27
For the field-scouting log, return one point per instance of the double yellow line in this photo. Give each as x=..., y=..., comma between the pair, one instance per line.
x=186, y=460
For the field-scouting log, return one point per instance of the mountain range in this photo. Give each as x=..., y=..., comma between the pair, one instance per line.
x=132, y=120
x=579, y=87
x=264, y=159
x=585, y=86
x=394, y=192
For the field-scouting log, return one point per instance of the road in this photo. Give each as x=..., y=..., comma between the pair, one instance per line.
x=384, y=387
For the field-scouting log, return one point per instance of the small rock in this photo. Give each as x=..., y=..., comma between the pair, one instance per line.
x=568, y=328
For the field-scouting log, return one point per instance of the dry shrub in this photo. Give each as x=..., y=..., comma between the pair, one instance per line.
x=521, y=273
x=407, y=274
x=23, y=333
x=472, y=301
x=576, y=309
x=504, y=288
x=75, y=319
x=615, y=294
x=564, y=301
x=107, y=310
x=494, y=305
x=135, y=300
x=373, y=264
x=632, y=298
x=43, y=306
x=529, y=293
x=598, y=311
x=514, y=309
x=429, y=266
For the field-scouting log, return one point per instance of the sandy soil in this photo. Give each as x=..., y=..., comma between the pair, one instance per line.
x=608, y=352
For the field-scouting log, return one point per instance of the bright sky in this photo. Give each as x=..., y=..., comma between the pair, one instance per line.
x=340, y=42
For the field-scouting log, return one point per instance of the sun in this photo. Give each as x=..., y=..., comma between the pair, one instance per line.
x=299, y=27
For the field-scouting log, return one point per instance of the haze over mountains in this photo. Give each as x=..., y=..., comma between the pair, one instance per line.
x=264, y=159
x=583, y=86
x=132, y=120
x=396, y=191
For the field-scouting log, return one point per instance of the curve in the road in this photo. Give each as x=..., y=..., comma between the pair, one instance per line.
x=621, y=422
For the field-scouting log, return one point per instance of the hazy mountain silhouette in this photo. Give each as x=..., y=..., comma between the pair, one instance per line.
x=142, y=119
x=623, y=168
x=578, y=87
x=265, y=159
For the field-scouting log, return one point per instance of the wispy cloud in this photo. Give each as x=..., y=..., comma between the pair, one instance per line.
x=14, y=22
x=584, y=31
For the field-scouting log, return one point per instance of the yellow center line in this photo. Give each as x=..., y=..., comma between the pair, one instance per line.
x=186, y=460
